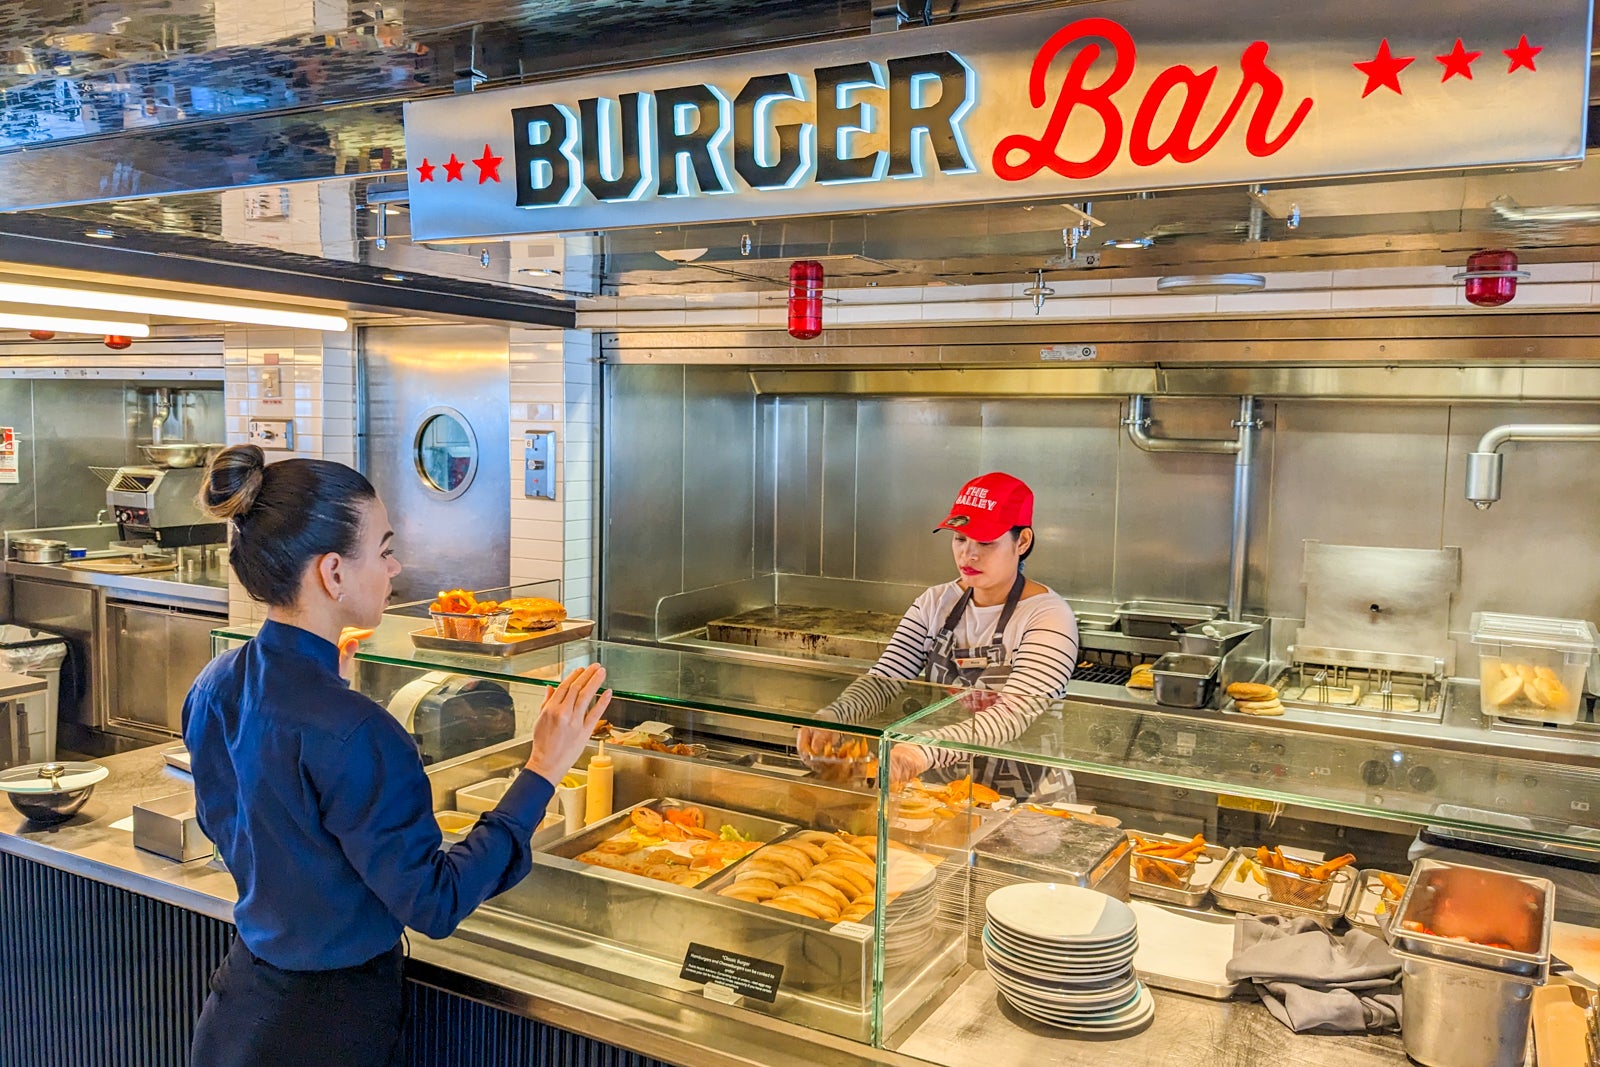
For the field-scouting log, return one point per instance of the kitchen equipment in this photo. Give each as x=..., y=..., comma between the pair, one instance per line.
x=597, y=798
x=1236, y=889
x=753, y=827
x=1473, y=943
x=1183, y=680
x=1161, y=618
x=450, y=715
x=509, y=644
x=1194, y=878
x=1533, y=668
x=179, y=454
x=169, y=826
x=161, y=504
x=1376, y=639
x=37, y=550
x=1370, y=895
x=1215, y=638
x=51, y=793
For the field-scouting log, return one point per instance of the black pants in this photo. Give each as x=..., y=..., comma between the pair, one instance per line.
x=261, y=1016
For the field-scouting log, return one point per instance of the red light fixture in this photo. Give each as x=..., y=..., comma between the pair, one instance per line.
x=1491, y=277
x=805, y=299
x=42, y=335
x=117, y=341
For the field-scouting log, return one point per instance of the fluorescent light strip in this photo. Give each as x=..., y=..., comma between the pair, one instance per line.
x=50, y=320
x=175, y=307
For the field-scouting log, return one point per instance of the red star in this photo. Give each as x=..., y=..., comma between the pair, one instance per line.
x=452, y=168
x=425, y=172
x=1458, y=61
x=1383, y=69
x=488, y=166
x=1522, y=55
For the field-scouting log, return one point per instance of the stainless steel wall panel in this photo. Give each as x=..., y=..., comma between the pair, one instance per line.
x=643, y=485
x=1351, y=474
x=797, y=474
x=914, y=455
x=18, y=505
x=1174, y=509
x=1066, y=450
x=78, y=423
x=1534, y=552
x=718, y=478
x=441, y=543
x=840, y=468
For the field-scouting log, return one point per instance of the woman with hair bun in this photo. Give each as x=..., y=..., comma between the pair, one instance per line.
x=315, y=795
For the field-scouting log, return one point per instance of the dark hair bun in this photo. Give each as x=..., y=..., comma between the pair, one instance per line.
x=233, y=480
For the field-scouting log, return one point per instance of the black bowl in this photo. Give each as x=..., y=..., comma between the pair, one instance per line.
x=49, y=809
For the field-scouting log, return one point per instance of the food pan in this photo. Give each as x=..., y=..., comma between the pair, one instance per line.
x=1250, y=897
x=1196, y=878
x=756, y=827
x=1160, y=618
x=1362, y=911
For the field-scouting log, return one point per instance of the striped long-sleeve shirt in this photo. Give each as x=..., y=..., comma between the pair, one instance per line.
x=1041, y=642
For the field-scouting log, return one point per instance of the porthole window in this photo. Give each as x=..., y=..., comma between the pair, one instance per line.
x=446, y=452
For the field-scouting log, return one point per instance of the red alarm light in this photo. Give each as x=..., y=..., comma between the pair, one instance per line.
x=805, y=299
x=41, y=335
x=117, y=341
x=1491, y=277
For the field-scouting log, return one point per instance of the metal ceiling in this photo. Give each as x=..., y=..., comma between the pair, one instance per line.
x=131, y=109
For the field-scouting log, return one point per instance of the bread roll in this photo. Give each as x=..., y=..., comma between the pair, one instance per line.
x=789, y=856
x=1252, y=691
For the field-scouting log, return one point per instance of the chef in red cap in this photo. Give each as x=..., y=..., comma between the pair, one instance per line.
x=1009, y=639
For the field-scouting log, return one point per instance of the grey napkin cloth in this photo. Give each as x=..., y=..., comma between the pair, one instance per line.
x=1314, y=980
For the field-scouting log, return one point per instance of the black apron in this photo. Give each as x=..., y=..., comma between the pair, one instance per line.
x=985, y=669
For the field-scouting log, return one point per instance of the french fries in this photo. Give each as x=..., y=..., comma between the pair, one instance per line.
x=1166, y=863
x=1292, y=881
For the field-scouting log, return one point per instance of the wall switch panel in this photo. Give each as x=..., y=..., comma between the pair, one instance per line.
x=272, y=435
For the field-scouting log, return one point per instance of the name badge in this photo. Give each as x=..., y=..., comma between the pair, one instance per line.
x=968, y=663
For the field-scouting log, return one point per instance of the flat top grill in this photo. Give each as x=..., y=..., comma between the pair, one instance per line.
x=1107, y=666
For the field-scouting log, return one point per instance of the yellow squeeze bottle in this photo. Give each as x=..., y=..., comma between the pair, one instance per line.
x=597, y=805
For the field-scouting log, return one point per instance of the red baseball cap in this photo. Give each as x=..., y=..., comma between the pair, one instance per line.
x=989, y=506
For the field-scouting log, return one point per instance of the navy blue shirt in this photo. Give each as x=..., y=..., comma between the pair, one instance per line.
x=316, y=799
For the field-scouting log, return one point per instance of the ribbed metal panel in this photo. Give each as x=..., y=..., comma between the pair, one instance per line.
x=449, y=1031
x=93, y=974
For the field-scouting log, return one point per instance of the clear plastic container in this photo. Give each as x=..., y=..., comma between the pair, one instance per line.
x=1533, y=668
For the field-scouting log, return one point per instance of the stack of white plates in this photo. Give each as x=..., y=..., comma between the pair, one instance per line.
x=1063, y=955
x=910, y=927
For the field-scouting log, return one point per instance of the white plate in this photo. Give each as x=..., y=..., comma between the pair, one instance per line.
x=1011, y=946
x=1067, y=914
x=1143, y=1011
x=1098, y=999
x=1056, y=977
x=1057, y=950
x=1121, y=1002
x=1050, y=972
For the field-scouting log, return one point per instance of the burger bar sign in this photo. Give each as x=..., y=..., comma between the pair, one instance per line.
x=1075, y=101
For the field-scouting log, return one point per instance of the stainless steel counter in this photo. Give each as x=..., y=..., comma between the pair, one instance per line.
x=164, y=588
x=713, y=1034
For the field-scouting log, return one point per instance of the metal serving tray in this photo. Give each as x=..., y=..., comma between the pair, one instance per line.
x=756, y=827
x=1161, y=618
x=1362, y=910
x=1250, y=897
x=569, y=630
x=1206, y=869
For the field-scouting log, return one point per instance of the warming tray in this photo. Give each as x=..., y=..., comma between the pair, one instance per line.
x=1362, y=910
x=756, y=827
x=1250, y=897
x=569, y=630
x=1162, y=618
x=1206, y=869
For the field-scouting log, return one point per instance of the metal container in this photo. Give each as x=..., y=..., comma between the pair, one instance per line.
x=1473, y=943
x=1236, y=889
x=38, y=550
x=1215, y=638
x=1189, y=883
x=1161, y=618
x=753, y=827
x=168, y=826
x=1183, y=680
x=178, y=455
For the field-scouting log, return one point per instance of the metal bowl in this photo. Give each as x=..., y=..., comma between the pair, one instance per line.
x=181, y=454
x=38, y=550
x=37, y=789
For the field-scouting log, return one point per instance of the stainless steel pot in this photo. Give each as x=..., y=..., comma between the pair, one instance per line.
x=38, y=550
x=178, y=455
x=50, y=793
